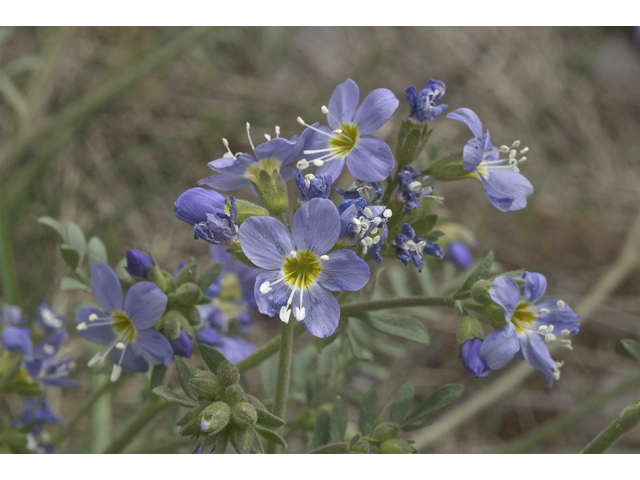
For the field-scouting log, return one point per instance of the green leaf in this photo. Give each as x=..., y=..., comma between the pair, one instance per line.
x=212, y=357
x=68, y=283
x=209, y=276
x=192, y=416
x=157, y=376
x=438, y=400
x=355, y=439
x=478, y=273
x=257, y=447
x=272, y=436
x=357, y=350
x=173, y=397
x=632, y=347
x=338, y=426
x=401, y=403
x=416, y=426
x=54, y=225
x=184, y=375
x=368, y=411
x=424, y=225
x=76, y=239
x=397, y=325
x=267, y=419
x=96, y=252
x=321, y=430
x=241, y=257
x=70, y=256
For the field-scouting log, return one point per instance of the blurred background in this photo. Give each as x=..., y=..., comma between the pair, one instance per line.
x=108, y=126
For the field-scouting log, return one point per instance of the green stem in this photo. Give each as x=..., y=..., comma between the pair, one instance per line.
x=628, y=419
x=135, y=426
x=268, y=349
x=166, y=446
x=359, y=307
x=342, y=447
x=284, y=375
x=7, y=259
x=551, y=428
x=84, y=409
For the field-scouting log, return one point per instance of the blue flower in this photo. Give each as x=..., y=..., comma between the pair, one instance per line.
x=301, y=270
x=506, y=188
x=348, y=140
x=530, y=326
x=364, y=226
x=214, y=329
x=183, y=345
x=138, y=263
x=312, y=186
x=17, y=340
x=410, y=247
x=48, y=319
x=459, y=254
x=124, y=327
x=240, y=170
x=45, y=366
x=206, y=210
x=370, y=191
x=470, y=357
x=423, y=104
x=410, y=190
x=12, y=316
x=35, y=416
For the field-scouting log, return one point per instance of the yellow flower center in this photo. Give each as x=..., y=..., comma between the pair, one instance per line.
x=524, y=317
x=343, y=143
x=123, y=326
x=269, y=165
x=301, y=270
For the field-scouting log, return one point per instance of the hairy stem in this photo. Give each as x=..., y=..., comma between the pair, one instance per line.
x=628, y=419
x=284, y=375
x=359, y=307
x=342, y=447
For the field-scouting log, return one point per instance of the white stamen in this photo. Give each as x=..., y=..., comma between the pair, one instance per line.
x=337, y=131
x=299, y=313
x=561, y=304
x=415, y=186
x=82, y=326
x=300, y=121
x=318, y=163
x=285, y=313
x=249, y=136
x=324, y=109
x=277, y=131
x=120, y=346
x=268, y=137
x=516, y=144
x=544, y=310
x=387, y=213
x=225, y=142
x=324, y=258
x=115, y=373
x=367, y=211
x=265, y=287
x=556, y=370
x=376, y=239
x=95, y=360
x=565, y=332
x=524, y=150
x=93, y=317
x=49, y=350
x=303, y=164
x=293, y=254
x=377, y=221
x=504, y=149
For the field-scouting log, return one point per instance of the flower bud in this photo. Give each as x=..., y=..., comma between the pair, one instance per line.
x=244, y=415
x=361, y=447
x=459, y=254
x=138, y=263
x=188, y=294
x=395, y=446
x=386, y=431
x=449, y=168
x=215, y=417
x=470, y=357
x=242, y=439
x=234, y=394
x=188, y=273
x=206, y=385
x=480, y=292
x=228, y=373
x=273, y=192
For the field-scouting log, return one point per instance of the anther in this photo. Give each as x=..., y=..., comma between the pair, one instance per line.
x=285, y=314
x=504, y=149
x=516, y=144
x=513, y=153
x=544, y=310
x=268, y=137
x=115, y=374
x=293, y=254
x=303, y=164
x=337, y=131
x=82, y=326
x=387, y=213
x=265, y=287
x=277, y=131
x=524, y=150
x=299, y=313
x=225, y=142
x=120, y=346
x=93, y=317
x=324, y=109
x=49, y=350
x=367, y=211
x=561, y=304
x=377, y=221
x=300, y=120
x=324, y=258
x=318, y=163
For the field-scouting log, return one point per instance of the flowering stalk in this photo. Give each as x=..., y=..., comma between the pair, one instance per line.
x=628, y=419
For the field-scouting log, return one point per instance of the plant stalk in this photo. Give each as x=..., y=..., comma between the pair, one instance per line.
x=628, y=419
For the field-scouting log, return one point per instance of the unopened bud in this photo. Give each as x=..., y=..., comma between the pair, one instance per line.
x=206, y=385
x=188, y=273
x=234, y=394
x=242, y=439
x=228, y=373
x=155, y=275
x=244, y=415
x=215, y=417
x=188, y=294
x=361, y=447
x=386, y=431
x=395, y=446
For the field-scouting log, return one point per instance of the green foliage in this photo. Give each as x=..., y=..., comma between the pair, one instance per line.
x=158, y=374
x=269, y=420
x=368, y=411
x=68, y=283
x=71, y=256
x=173, y=397
x=400, y=326
x=54, y=225
x=338, y=426
x=478, y=273
x=210, y=275
x=632, y=347
x=321, y=430
x=438, y=400
x=76, y=239
x=401, y=403
x=184, y=375
x=96, y=252
x=271, y=436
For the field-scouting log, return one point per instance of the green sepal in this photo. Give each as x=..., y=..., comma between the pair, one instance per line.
x=246, y=209
x=396, y=446
x=234, y=394
x=478, y=273
x=438, y=400
x=191, y=416
x=385, y=431
x=361, y=447
x=257, y=404
x=267, y=419
x=188, y=294
x=412, y=139
x=173, y=397
x=449, y=168
x=54, y=225
x=205, y=385
x=480, y=292
x=241, y=257
x=171, y=322
x=257, y=447
x=208, y=443
x=155, y=275
x=271, y=436
x=355, y=439
x=494, y=313
x=215, y=418
x=243, y=415
x=222, y=440
x=468, y=328
x=210, y=275
x=272, y=190
x=228, y=373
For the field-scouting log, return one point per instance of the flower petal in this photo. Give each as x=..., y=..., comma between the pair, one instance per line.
x=132, y=361
x=333, y=168
x=535, y=285
x=265, y=241
x=500, y=346
x=101, y=335
x=536, y=352
x=344, y=271
x=343, y=103
x=561, y=318
x=470, y=357
x=225, y=181
x=145, y=304
x=506, y=293
x=281, y=149
x=236, y=348
x=469, y=117
x=371, y=160
x=270, y=303
x=193, y=205
x=472, y=154
x=316, y=226
x=375, y=110
x=155, y=348
x=322, y=311
x=507, y=190
x=17, y=340
x=106, y=287
x=208, y=336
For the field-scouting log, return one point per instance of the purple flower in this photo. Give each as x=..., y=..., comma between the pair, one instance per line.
x=312, y=186
x=35, y=416
x=138, y=263
x=12, y=316
x=208, y=213
x=183, y=345
x=125, y=327
x=473, y=364
x=529, y=327
x=348, y=140
x=45, y=366
x=215, y=324
x=48, y=319
x=17, y=340
x=237, y=171
x=505, y=187
x=301, y=274
x=363, y=226
x=236, y=281
x=459, y=254
x=423, y=104
x=411, y=247
x=410, y=190
x=370, y=191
